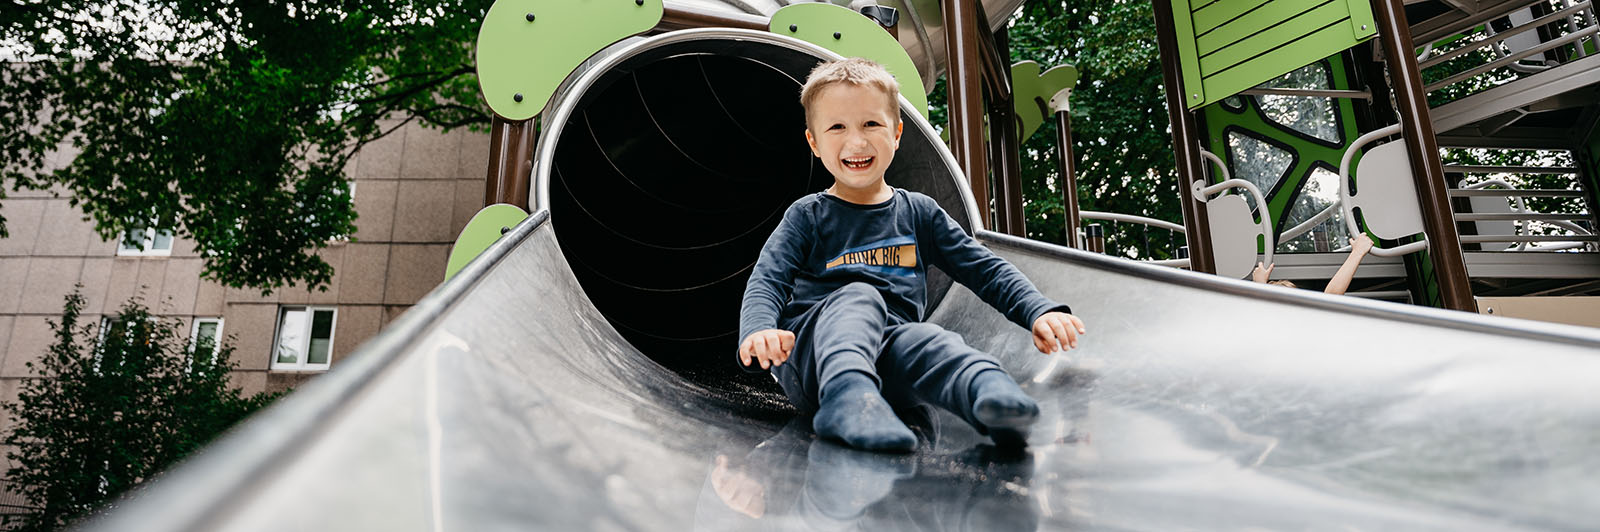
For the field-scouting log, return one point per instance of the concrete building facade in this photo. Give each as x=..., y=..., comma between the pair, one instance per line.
x=413, y=192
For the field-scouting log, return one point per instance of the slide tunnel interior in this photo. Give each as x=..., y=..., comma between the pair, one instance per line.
x=671, y=171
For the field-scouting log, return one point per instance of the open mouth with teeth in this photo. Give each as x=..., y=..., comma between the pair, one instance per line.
x=857, y=163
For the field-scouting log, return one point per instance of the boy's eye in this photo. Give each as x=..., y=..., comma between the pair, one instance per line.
x=873, y=123
x=836, y=126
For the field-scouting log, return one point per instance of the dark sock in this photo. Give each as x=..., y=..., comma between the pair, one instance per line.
x=1002, y=409
x=852, y=410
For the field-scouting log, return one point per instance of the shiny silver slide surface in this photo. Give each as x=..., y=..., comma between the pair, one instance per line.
x=505, y=401
x=579, y=374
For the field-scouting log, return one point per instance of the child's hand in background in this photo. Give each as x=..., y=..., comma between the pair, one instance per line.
x=1056, y=329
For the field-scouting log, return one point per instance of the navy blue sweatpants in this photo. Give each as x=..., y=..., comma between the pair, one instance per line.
x=852, y=330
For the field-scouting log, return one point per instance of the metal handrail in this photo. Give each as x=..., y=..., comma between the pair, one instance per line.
x=1203, y=195
x=1344, y=193
x=1489, y=169
x=1497, y=38
x=1545, y=47
x=1517, y=216
x=1523, y=192
x=1130, y=218
x=1310, y=223
x=1313, y=93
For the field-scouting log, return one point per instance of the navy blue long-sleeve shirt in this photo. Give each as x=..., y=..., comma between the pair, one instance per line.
x=824, y=243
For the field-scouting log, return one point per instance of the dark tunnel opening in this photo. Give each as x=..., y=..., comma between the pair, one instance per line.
x=669, y=174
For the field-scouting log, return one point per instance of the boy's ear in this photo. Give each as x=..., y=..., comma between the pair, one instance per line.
x=899, y=128
x=812, y=141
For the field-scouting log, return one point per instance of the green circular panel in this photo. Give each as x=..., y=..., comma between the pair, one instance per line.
x=527, y=47
x=1031, y=92
x=484, y=229
x=852, y=34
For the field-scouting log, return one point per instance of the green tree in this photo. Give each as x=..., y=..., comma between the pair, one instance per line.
x=1120, y=129
x=228, y=122
x=109, y=407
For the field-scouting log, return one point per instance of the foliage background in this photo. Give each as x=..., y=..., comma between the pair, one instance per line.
x=109, y=407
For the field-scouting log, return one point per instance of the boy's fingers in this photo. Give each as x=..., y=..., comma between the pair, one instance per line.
x=1046, y=339
x=786, y=341
x=764, y=363
x=1079, y=325
x=1063, y=334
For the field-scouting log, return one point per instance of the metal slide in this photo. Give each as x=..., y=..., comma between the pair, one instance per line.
x=540, y=390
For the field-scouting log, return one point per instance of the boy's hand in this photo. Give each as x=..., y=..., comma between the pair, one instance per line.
x=770, y=347
x=1057, y=328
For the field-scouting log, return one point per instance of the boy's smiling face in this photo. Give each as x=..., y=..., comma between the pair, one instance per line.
x=855, y=131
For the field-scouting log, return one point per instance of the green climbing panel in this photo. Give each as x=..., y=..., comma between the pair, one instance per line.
x=1226, y=46
x=852, y=34
x=1032, y=90
x=527, y=47
x=484, y=229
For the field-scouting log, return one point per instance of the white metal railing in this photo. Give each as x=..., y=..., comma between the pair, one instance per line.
x=1564, y=21
x=1581, y=237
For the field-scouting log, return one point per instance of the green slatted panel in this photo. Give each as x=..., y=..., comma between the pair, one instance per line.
x=1226, y=46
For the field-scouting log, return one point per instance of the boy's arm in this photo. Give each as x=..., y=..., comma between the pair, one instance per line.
x=993, y=279
x=772, y=279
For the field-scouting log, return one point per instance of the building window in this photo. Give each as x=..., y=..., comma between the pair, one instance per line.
x=305, y=338
x=205, y=337
x=145, y=242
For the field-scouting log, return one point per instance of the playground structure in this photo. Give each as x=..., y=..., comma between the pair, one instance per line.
x=576, y=370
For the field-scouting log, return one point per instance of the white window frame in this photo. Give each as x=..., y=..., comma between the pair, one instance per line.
x=148, y=240
x=305, y=345
x=194, y=335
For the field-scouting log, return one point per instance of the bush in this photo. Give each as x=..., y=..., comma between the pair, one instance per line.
x=107, y=407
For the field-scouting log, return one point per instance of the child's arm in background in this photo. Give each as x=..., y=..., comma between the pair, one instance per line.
x=1001, y=285
x=768, y=290
x=1359, y=246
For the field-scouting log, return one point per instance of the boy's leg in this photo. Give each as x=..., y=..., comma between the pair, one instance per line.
x=832, y=370
x=936, y=366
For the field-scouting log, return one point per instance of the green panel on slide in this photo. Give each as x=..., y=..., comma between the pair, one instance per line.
x=1032, y=90
x=851, y=34
x=1226, y=46
x=527, y=47
x=484, y=229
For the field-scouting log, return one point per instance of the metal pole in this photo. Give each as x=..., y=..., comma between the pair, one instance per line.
x=510, y=172
x=679, y=16
x=1068, y=165
x=966, y=99
x=1009, y=216
x=1411, y=102
x=1094, y=238
x=1184, y=144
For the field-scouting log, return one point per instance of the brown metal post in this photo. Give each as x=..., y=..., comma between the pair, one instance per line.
x=1007, y=148
x=966, y=97
x=1411, y=102
x=510, y=173
x=1068, y=165
x=1185, y=144
x=1094, y=238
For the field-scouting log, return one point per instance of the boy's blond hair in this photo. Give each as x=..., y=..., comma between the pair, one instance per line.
x=855, y=71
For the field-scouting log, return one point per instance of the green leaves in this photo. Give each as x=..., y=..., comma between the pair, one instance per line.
x=231, y=124
x=111, y=406
x=1119, y=121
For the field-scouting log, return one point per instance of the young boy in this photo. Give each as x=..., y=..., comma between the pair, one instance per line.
x=835, y=304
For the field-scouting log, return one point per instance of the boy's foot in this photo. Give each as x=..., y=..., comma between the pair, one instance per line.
x=853, y=411
x=1003, y=409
